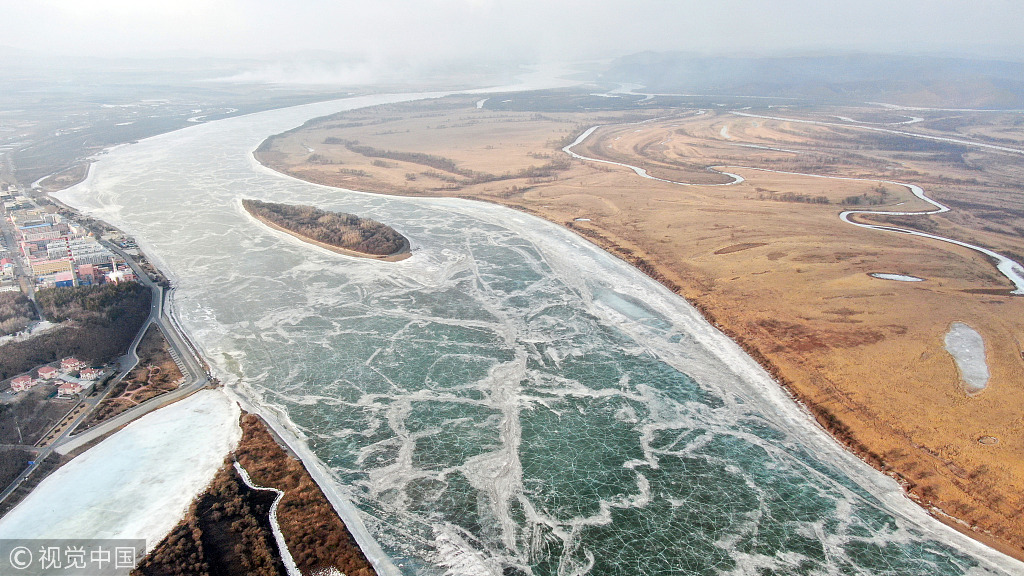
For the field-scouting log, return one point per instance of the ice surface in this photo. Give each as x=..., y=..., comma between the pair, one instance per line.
x=137, y=483
x=510, y=399
x=968, y=350
x=897, y=277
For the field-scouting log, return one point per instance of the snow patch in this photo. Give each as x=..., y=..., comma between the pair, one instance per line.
x=968, y=350
x=137, y=483
x=896, y=277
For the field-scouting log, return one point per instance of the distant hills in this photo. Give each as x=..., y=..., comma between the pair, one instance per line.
x=905, y=80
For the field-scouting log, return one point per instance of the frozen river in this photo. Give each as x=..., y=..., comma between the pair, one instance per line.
x=509, y=400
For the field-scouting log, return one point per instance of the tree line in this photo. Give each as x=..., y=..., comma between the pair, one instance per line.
x=448, y=165
x=316, y=537
x=436, y=162
x=226, y=531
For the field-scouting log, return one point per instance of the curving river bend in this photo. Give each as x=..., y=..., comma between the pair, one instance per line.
x=510, y=399
x=1011, y=269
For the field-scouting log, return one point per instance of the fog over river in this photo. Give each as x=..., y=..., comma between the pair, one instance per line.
x=510, y=399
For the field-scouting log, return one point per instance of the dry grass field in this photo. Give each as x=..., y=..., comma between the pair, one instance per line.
x=768, y=260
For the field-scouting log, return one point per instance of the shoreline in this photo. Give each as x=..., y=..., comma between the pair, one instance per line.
x=342, y=507
x=842, y=434
x=821, y=415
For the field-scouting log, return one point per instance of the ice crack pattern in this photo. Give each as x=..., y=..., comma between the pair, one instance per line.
x=510, y=400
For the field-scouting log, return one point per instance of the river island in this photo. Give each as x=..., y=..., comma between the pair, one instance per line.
x=336, y=231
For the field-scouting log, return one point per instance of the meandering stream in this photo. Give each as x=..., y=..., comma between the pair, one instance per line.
x=1008, y=267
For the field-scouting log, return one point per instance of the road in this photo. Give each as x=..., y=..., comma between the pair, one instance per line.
x=20, y=272
x=183, y=352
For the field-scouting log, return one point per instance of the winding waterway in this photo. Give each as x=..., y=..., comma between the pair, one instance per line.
x=961, y=141
x=1011, y=269
x=510, y=400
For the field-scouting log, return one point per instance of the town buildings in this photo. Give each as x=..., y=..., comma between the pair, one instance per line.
x=71, y=365
x=47, y=372
x=89, y=374
x=22, y=383
x=55, y=250
x=67, y=389
x=41, y=247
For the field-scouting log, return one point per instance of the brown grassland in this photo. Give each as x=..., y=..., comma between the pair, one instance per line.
x=66, y=178
x=768, y=260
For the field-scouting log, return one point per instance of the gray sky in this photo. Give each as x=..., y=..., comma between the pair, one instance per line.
x=416, y=30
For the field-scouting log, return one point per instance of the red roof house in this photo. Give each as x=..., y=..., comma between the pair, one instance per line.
x=89, y=374
x=71, y=364
x=22, y=383
x=47, y=372
x=69, y=389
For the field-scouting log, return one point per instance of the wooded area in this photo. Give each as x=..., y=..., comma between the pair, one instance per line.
x=316, y=537
x=227, y=531
x=16, y=312
x=334, y=228
x=101, y=322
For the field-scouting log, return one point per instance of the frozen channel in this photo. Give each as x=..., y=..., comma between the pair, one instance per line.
x=510, y=400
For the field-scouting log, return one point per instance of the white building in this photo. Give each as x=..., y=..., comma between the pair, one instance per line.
x=57, y=249
x=88, y=251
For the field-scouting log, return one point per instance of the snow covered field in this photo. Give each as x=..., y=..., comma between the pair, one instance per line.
x=138, y=482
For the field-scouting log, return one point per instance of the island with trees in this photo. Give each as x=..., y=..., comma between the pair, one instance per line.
x=336, y=231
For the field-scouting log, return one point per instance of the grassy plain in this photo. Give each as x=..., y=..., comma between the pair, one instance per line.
x=768, y=260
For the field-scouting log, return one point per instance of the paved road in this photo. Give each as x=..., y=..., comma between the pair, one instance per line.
x=21, y=272
x=19, y=267
x=184, y=353
x=187, y=359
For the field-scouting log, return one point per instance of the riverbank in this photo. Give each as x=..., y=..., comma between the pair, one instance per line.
x=315, y=531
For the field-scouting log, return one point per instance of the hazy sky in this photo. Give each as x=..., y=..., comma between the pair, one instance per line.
x=387, y=30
